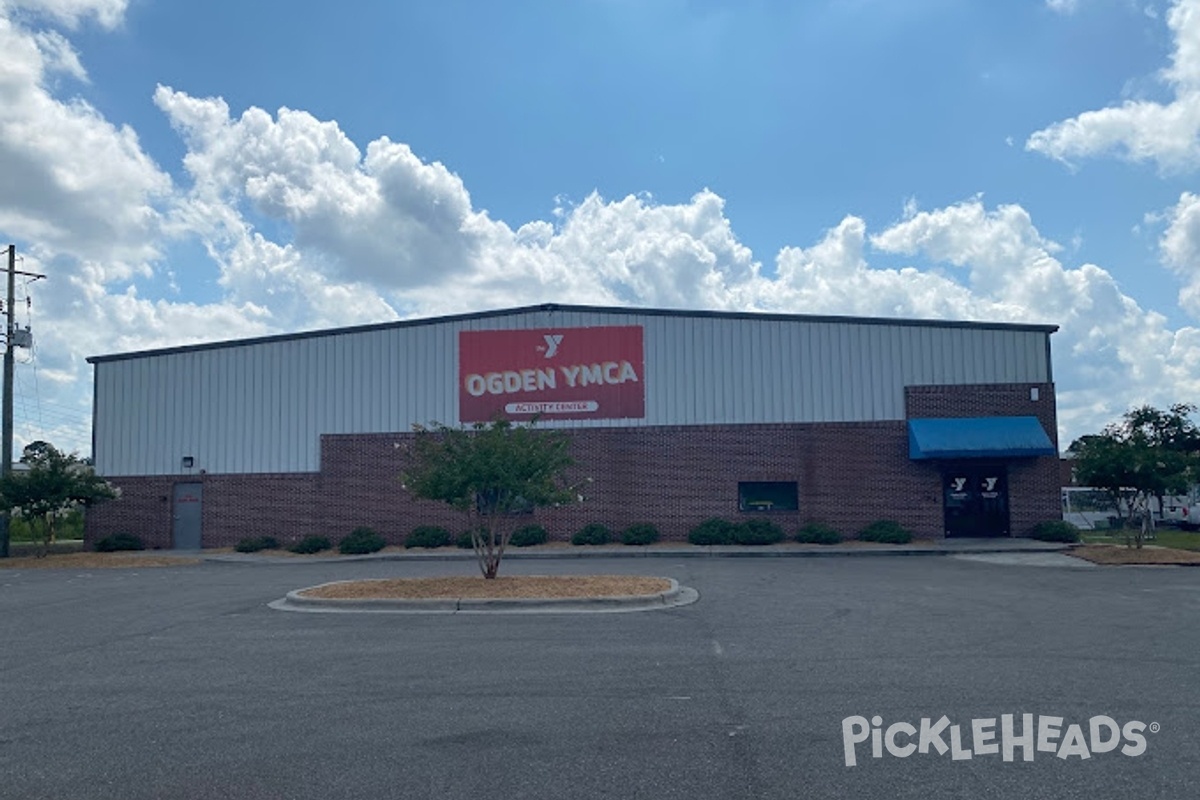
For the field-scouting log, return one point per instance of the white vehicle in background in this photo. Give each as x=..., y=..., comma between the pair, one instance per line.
x=1183, y=510
x=1093, y=509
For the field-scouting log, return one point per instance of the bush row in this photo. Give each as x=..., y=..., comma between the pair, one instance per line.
x=358, y=542
x=763, y=531
x=365, y=540
x=710, y=532
x=595, y=533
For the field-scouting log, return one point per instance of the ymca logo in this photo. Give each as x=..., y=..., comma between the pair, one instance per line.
x=989, y=484
x=553, y=340
x=959, y=483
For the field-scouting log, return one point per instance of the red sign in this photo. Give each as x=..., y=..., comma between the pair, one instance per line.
x=559, y=373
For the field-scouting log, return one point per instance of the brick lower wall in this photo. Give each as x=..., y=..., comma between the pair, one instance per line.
x=848, y=475
x=1034, y=484
x=235, y=506
x=144, y=509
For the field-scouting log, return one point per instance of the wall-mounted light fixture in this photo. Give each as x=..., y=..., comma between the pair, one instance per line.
x=188, y=462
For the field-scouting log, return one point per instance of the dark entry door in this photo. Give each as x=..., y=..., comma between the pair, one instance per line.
x=186, y=510
x=975, y=500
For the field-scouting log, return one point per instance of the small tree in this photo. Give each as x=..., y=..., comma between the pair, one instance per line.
x=1150, y=453
x=493, y=472
x=53, y=485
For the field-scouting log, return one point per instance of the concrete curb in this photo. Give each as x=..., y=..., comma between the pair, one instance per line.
x=673, y=597
x=694, y=551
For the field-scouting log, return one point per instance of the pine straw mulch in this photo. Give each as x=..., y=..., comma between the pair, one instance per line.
x=512, y=586
x=94, y=561
x=1119, y=554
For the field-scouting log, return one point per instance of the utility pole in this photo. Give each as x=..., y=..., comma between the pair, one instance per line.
x=6, y=434
x=6, y=463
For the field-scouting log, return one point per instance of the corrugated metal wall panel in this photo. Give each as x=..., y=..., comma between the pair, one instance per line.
x=262, y=407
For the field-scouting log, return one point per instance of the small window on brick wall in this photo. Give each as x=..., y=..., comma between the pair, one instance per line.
x=767, y=496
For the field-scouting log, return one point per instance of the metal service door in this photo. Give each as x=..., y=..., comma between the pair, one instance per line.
x=976, y=500
x=186, y=509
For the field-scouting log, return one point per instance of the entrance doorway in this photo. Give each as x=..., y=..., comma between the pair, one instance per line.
x=186, y=514
x=975, y=500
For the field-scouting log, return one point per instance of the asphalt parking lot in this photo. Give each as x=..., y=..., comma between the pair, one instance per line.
x=182, y=683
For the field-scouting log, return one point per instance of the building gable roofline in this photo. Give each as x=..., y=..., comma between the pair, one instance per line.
x=553, y=307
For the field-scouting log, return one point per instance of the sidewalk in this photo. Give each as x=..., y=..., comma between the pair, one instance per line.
x=668, y=550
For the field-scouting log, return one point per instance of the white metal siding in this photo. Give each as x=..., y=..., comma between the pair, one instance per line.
x=262, y=407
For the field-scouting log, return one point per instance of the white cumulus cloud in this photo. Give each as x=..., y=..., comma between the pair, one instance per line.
x=304, y=228
x=1142, y=130
x=385, y=234
x=1063, y=6
x=86, y=186
x=1180, y=246
x=108, y=13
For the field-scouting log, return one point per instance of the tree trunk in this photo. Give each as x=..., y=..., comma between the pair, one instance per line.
x=44, y=539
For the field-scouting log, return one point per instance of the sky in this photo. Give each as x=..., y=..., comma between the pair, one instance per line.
x=191, y=172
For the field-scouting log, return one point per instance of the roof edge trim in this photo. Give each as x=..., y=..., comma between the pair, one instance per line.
x=552, y=307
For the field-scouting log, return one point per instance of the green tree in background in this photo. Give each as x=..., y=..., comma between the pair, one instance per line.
x=1150, y=453
x=54, y=485
x=492, y=472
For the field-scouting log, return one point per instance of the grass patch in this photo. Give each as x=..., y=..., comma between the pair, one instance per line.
x=18, y=549
x=1163, y=537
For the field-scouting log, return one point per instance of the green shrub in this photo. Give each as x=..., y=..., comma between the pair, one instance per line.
x=640, y=533
x=1056, y=530
x=528, y=536
x=464, y=541
x=595, y=533
x=119, y=541
x=818, y=533
x=252, y=544
x=712, y=531
x=757, y=531
x=886, y=531
x=361, y=541
x=311, y=544
x=427, y=536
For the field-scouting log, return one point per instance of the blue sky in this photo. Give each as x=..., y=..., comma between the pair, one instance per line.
x=198, y=171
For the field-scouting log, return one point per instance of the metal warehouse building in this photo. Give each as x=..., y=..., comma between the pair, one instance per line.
x=947, y=427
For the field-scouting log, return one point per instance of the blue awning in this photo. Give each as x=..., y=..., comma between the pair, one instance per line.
x=978, y=437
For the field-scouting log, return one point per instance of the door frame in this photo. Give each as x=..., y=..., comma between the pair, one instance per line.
x=973, y=471
x=176, y=488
